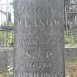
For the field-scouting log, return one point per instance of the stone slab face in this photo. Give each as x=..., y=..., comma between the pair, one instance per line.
x=38, y=45
x=6, y=58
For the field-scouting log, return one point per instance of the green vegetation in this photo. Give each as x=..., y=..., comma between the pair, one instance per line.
x=70, y=38
x=6, y=72
x=6, y=35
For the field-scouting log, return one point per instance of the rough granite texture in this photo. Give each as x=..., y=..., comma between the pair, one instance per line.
x=39, y=46
x=6, y=56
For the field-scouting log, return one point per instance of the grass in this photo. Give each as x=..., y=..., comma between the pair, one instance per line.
x=70, y=40
x=6, y=37
x=6, y=72
x=71, y=68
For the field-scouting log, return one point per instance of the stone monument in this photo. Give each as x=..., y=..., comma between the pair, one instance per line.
x=38, y=45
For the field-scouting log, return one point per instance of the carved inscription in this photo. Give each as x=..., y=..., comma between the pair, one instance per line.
x=35, y=74
x=38, y=42
x=43, y=66
x=32, y=74
x=43, y=22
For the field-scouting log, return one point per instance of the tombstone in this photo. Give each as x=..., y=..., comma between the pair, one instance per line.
x=38, y=45
x=3, y=60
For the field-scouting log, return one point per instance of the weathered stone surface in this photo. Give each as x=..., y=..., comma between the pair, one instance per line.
x=70, y=53
x=39, y=42
x=6, y=58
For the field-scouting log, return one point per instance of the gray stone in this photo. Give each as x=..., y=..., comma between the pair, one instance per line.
x=38, y=45
x=6, y=58
x=71, y=53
